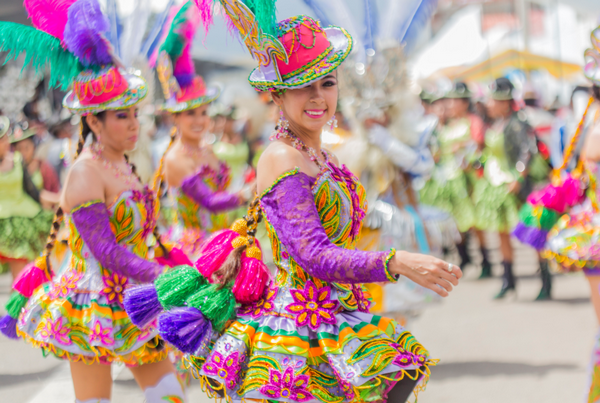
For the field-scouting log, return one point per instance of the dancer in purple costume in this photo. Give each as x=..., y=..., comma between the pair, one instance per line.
x=310, y=338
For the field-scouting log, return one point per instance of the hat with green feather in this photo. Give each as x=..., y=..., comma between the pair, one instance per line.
x=69, y=37
x=182, y=87
x=292, y=53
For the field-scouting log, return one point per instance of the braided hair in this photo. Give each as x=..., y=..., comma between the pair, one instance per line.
x=159, y=175
x=84, y=132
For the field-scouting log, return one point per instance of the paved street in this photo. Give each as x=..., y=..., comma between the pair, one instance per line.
x=491, y=352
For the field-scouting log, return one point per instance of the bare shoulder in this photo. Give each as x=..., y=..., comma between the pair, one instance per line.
x=277, y=159
x=83, y=184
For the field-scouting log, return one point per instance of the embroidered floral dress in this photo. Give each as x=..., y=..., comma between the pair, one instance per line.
x=80, y=314
x=308, y=339
x=194, y=222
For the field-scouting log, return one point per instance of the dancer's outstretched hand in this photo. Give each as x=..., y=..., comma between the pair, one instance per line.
x=427, y=271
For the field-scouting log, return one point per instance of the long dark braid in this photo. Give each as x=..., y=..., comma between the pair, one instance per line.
x=84, y=131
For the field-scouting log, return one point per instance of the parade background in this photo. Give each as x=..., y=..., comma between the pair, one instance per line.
x=491, y=351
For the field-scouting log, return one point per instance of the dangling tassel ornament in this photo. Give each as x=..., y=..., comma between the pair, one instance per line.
x=333, y=123
x=282, y=127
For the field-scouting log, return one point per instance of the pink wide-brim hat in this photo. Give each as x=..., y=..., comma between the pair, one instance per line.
x=192, y=96
x=110, y=88
x=313, y=52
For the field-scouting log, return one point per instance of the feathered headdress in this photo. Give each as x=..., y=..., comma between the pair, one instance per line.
x=291, y=54
x=182, y=87
x=68, y=38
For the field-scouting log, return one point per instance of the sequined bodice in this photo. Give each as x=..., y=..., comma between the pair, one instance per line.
x=190, y=214
x=341, y=202
x=132, y=219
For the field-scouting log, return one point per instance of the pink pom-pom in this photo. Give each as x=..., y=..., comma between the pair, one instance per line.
x=49, y=16
x=558, y=198
x=176, y=258
x=215, y=251
x=251, y=281
x=29, y=279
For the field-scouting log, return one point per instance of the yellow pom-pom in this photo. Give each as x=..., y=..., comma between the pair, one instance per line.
x=240, y=226
x=239, y=241
x=254, y=252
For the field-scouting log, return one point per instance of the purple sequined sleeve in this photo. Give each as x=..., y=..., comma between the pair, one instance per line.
x=194, y=187
x=290, y=208
x=93, y=224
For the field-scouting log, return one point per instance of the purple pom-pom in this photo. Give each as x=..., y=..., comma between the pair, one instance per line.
x=8, y=327
x=83, y=33
x=534, y=237
x=142, y=304
x=185, y=328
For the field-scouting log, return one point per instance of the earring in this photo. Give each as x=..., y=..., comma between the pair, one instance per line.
x=333, y=123
x=281, y=128
x=96, y=147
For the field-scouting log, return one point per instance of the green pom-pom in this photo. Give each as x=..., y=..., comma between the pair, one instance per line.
x=175, y=41
x=15, y=304
x=175, y=286
x=217, y=305
x=544, y=221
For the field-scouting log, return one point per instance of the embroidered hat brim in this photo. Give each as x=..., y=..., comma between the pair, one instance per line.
x=341, y=46
x=137, y=90
x=23, y=135
x=4, y=125
x=212, y=93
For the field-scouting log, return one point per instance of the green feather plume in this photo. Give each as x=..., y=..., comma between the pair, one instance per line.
x=173, y=43
x=265, y=13
x=41, y=50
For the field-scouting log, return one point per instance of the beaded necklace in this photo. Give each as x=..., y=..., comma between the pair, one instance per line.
x=128, y=176
x=194, y=152
x=298, y=144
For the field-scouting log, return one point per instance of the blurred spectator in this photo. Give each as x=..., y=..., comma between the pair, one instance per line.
x=42, y=174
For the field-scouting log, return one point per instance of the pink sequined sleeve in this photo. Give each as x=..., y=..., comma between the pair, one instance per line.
x=194, y=187
x=289, y=206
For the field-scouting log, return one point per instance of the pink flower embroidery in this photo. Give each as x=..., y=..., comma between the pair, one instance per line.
x=114, y=286
x=405, y=359
x=262, y=306
x=226, y=368
x=363, y=302
x=67, y=283
x=313, y=306
x=55, y=330
x=102, y=335
x=286, y=386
